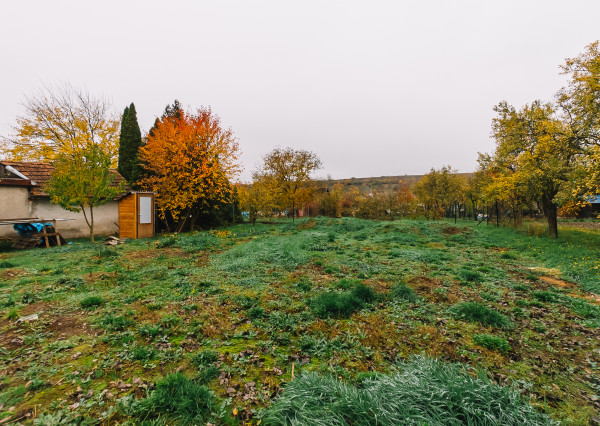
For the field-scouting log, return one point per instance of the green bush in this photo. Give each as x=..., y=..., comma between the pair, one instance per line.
x=7, y=264
x=493, y=343
x=426, y=391
x=91, y=302
x=179, y=399
x=476, y=312
x=401, y=291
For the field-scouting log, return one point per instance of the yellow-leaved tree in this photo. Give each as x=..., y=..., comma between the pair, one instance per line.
x=189, y=161
x=288, y=174
x=62, y=120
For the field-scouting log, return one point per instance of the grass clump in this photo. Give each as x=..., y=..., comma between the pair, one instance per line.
x=401, y=291
x=116, y=323
x=7, y=264
x=91, y=302
x=256, y=312
x=544, y=296
x=468, y=275
x=204, y=358
x=493, y=343
x=476, y=312
x=180, y=400
x=426, y=391
x=342, y=305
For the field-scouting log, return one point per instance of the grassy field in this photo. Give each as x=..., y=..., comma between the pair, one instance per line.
x=321, y=321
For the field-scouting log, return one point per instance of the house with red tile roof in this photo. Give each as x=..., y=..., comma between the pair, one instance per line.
x=22, y=196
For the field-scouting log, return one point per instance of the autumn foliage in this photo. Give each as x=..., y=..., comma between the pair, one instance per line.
x=190, y=161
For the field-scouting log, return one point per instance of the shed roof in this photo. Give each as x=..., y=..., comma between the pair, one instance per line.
x=40, y=174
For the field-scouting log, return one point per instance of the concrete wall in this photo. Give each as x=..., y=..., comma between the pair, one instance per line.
x=14, y=203
x=106, y=218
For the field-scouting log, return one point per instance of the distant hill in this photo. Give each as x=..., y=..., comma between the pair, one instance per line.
x=381, y=184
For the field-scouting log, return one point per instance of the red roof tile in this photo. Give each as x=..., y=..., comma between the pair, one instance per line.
x=40, y=174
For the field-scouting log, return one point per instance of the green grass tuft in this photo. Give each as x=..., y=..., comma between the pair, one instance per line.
x=426, y=391
x=476, y=312
x=342, y=305
x=179, y=399
x=204, y=358
x=91, y=302
x=493, y=343
x=401, y=291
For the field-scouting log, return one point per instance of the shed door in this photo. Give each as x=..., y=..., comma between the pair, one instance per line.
x=145, y=216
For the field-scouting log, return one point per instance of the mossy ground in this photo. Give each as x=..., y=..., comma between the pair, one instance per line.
x=245, y=292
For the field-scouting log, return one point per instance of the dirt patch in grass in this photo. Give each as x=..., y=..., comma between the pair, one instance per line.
x=307, y=225
x=424, y=284
x=453, y=230
x=11, y=274
x=69, y=325
x=557, y=282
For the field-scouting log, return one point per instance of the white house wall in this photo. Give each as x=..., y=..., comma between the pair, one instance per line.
x=106, y=218
x=14, y=204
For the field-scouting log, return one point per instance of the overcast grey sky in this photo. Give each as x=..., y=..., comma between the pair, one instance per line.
x=373, y=87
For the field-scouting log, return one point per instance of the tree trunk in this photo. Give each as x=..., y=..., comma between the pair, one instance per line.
x=182, y=221
x=293, y=211
x=92, y=224
x=497, y=214
x=551, y=213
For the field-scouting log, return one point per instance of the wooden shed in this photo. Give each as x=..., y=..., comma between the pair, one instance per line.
x=136, y=215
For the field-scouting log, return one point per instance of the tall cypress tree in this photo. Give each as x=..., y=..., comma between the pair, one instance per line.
x=129, y=144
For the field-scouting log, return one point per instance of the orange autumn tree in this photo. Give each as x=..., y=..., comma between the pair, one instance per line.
x=189, y=161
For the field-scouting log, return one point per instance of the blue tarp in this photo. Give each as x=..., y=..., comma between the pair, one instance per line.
x=593, y=199
x=29, y=228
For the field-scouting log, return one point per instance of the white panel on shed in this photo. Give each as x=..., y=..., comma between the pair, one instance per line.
x=145, y=209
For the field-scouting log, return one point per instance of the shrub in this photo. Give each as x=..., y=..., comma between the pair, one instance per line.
x=401, y=291
x=493, y=343
x=91, y=302
x=204, y=358
x=426, y=391
x=180, y=399
x=7, y=264
x=476, y=312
